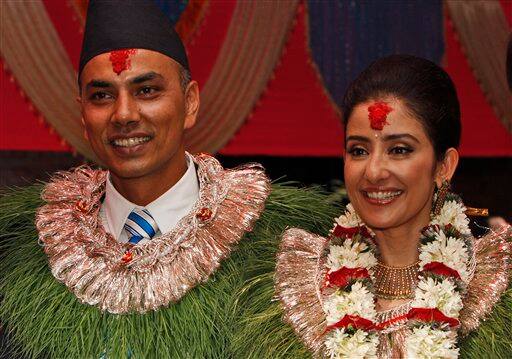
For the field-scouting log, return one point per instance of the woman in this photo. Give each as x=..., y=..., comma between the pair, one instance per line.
x=400, y=274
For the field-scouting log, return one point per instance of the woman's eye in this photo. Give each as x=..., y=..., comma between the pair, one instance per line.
x=357, y=152
x=400, y=150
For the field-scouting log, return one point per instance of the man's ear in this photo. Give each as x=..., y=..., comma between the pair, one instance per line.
x=79, y=100
x=447, y=166
x=192, y=101
x=86, y=136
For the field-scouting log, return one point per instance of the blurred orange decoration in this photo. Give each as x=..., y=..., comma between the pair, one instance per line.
x=261, y=93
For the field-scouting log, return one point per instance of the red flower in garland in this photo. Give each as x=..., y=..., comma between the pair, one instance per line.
x=431, y=315
x=204, y=214
x=341, y=278
x=378, y=113
x=127, y=257
x=345, y=232
x=82, y=206
x=349, y=232
x=451, y=230
x=441, y=269
x=363, y=231
x=390, y=322
x=353, y=321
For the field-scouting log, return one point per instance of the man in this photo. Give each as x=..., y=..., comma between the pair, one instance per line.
x=139, y=260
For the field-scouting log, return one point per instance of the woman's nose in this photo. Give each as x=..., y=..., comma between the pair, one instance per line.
x=376, y=168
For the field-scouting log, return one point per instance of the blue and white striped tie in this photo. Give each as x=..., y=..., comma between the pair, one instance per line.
x=140, y=225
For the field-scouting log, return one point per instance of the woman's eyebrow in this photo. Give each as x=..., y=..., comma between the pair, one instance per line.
x=400, y=136
x=358, y=138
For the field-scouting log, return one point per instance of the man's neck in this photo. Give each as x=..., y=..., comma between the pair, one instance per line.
x=144, y=190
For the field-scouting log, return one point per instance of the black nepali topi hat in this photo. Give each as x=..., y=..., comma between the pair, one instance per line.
x=129, y=24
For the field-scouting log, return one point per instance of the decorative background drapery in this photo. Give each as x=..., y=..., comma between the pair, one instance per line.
x=270, y=73
x=34, y=54
x=484, y=32
x=250, y=51
x=343, y=43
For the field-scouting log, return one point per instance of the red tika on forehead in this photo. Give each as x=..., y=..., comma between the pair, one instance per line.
x=377, y=114
x=120, y=59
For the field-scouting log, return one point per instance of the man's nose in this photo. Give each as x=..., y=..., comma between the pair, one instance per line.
x=125, y=110
x=376, y=168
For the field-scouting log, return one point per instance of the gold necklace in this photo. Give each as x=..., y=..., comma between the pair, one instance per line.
x=395, y=282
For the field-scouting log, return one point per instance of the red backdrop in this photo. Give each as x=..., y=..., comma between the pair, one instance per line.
x=293, y=117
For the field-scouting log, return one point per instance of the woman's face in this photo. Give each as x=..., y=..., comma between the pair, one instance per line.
x=389, y=173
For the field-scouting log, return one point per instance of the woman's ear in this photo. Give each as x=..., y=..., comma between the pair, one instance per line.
x=447, y=166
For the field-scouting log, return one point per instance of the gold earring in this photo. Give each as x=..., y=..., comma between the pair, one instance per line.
x=440, y=197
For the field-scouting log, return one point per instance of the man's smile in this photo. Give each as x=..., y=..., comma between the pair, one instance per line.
x=130, y=141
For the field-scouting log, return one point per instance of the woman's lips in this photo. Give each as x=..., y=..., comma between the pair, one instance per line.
x=381, y=197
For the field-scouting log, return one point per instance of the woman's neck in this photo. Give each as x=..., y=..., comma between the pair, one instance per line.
x=399, y=246
x=398, y=249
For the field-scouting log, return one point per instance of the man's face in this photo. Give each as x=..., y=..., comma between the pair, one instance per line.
x=134, y=121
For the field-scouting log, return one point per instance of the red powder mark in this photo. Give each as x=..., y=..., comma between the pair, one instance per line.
x=120, y=59
x=378, y=113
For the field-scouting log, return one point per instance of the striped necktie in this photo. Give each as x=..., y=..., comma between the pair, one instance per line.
x=140, y=225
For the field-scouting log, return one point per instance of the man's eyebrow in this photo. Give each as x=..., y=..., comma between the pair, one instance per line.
x=145, y=77
x=98, y=83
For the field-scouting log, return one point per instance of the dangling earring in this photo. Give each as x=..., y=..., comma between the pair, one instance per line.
x=440, y=197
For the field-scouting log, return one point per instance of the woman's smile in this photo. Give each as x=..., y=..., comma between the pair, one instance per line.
x=382, y=196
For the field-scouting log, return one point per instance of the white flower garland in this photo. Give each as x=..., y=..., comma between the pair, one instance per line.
x=358, y=301
x=358, y=345
x=444, y=270
x=425, y=342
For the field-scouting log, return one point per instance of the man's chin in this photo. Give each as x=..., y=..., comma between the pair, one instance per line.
x=132, y=171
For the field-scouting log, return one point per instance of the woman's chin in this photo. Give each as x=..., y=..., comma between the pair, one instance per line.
x=380, y=225
x=382, y=221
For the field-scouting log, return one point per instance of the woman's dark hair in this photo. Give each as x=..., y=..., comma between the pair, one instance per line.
x=425, y=88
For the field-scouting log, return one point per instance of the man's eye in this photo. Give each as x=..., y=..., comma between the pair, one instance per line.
x=357, y=152
x=100, y=96
x=147, y=91
x=400, y=150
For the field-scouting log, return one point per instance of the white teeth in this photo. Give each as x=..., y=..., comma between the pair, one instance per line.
x=129, y=142
x=383, y=195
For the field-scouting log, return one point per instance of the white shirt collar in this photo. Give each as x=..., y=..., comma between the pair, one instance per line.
x=167, y=209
